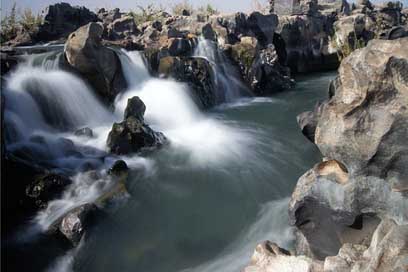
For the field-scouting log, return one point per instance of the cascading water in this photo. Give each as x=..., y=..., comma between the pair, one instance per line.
x=229, y=86
x=200, y=204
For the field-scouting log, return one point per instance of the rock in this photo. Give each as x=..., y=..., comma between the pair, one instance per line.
x=157, y=25
x=175, y=33
x=267, y=75
x=118, y=168
x=61, y=19
x=180, y=47
x=8, y=62
x=108, y=17
x=76, y=222
x=185, y=12
x=86, y=131
x=263, y=27
x=99, y=65
x=269, y=257
x=136, y=108
x=306, y=42
x=307, y=122
x=350, y=130
x=208, y=33
x=133, y=135
x=122, y=28
x=235, y=26
x=47, y=187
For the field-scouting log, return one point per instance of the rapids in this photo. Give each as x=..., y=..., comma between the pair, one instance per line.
x=200, y=204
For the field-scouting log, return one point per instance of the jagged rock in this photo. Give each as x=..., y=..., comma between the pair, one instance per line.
x=47, y=187
x=108, y=17
x=175, y=33
x=99, y=65
x=181, y=47
x=61, y=19
x=208, y=32
x=269, y=257
x=307, y=122
x=75, y=222
x=86, y=131
x=267, y=75
x=118, y=168
x=306, y=42
x=185, y=12
x=196, y=72
x=133, y=135
x=122, y=28
x=263, y=27
x=235, y=26
x=350, y=130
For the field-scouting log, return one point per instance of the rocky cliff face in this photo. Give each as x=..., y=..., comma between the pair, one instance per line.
x=350, y=209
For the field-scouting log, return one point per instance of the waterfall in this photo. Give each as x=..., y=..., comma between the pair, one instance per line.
x=171, y=109
x=229, y=86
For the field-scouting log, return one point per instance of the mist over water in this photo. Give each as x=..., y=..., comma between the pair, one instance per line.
x=200, y=204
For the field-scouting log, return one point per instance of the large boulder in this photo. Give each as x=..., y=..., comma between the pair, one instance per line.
x=99, y=65
x=196, y=72
x=262, y=26
x=361, y=131
x=62, y=19
x=122, y=27
x=306, y=42
x=133, y=134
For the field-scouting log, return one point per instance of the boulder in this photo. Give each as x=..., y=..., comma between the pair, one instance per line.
x=306, y=40
x=99, y=65
x=209, y=33
x=181, y=47
x=47, y=187
x=133, y=135
x=263, y=27
x=122, y=27
x=118, y=168
x=307, y=122
x=196, y=72
x=108, y=17
x=86, y=131
x=73, y=224
x=62, y=19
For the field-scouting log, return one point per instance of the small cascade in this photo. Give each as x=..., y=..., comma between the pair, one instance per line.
x=229, y=86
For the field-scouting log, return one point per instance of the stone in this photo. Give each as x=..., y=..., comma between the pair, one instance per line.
x=99, y=65
x=263, y=27
x=118, y=168
x=47, y=187
x=76, y=222
x=86, y=131
x=307, y=122
x=132, y=135
x=208, y=32
x=122, y=28
x=180, y=47
x=62, y=19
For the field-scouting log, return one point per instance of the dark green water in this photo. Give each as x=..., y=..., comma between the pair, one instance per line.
x=208, y=216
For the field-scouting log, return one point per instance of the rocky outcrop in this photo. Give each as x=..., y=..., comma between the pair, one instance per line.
x=99, y=65
x=121, y=28
x=388, y=251
x=350, y=209
x=62, y=19
x=133, y=134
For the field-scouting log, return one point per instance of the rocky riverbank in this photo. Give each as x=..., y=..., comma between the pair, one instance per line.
x=350, y=210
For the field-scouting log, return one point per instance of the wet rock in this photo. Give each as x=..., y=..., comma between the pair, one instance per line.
x=208, y=32
x=76, y=222
x=61, y=19
x=263, y=27
x=86, y=131
x=118, y=168
x=122, y=27
x=47, y=187
x=307, y=122
x=196, y=72
x=181, y=47
x=133, y=135
x=185, y=12
x=99, y=65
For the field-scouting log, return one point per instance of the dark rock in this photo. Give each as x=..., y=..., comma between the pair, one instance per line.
x=263, y=27
x=133, y=135
x=157, y=25
x=108, y=17
x=8, y=62
x=175, y=33
x=61, y=19
x=208, y=33
x=118, y=168
x=196, y=72
x=181, y=47
x=76, y=222
x=136, y=108
x=86, y=131
x=99, y=65
x=122, y=28
x=185, y=12
x=46, y=188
